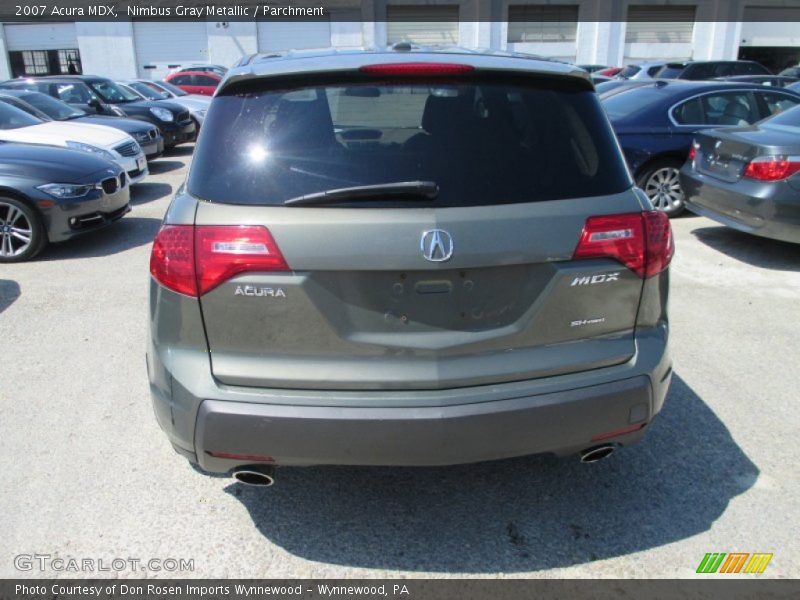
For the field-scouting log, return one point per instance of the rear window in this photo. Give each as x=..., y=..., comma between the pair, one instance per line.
x=628, y=103
x=481, y=143
x=629, y=71
x=670, y=71
x=788, y=118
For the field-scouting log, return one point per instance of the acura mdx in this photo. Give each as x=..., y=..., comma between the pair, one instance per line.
x=406, y=257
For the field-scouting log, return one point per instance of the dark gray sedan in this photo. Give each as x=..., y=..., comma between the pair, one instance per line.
x=748, y=178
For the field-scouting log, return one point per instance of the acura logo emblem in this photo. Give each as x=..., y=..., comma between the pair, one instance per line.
x=436, y=245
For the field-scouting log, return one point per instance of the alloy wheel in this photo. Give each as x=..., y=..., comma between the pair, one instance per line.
x=663, y=187
x=16, y=231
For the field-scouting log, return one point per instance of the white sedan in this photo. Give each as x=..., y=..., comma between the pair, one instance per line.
x=106, y=142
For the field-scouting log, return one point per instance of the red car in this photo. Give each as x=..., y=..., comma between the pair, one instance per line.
x=195, y=82
x=609, y=72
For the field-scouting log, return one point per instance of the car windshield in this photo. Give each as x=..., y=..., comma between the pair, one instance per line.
x=629, y=71
x=670, y=72
x=630, y=102
x=14, y=118
x=55, y=109
x=481, y=143
x=787, y=118
x=147, y=91
x=112, y=93
x=172, y=88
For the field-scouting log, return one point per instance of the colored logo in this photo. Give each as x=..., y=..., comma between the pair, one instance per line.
x=734, y=562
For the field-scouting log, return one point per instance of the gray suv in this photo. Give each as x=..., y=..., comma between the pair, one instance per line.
x=406, y=258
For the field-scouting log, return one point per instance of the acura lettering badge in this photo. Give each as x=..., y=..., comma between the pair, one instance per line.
x=436, y=245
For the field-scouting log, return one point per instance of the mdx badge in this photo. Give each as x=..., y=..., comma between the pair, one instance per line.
x=592, y=279
x=436, y=245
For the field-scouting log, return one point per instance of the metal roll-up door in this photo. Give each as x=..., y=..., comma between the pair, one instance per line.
x=290, y=35
x=660, y=24
x=40, y=36
x=160, y=46
x=423, y=25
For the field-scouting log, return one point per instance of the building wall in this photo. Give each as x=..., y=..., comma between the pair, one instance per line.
x=108, y=48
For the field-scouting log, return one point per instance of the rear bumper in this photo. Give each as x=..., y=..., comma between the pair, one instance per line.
x=562, y=422
x=560, y=414
x=769, y=210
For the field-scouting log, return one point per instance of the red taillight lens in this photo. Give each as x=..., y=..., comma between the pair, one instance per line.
x=416, y=69
x=194, y=260
x=772, y=169
x=640, y=241
x=223, y=251
x=172, y=259
x=692, y=152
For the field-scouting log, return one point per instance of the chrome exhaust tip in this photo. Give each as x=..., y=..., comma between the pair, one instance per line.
x=598, y=453
x=257, y=475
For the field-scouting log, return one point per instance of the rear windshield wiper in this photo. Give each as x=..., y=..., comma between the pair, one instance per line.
x=416, y=190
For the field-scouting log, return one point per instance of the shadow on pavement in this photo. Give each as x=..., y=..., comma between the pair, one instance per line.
x=9, y=292
x=163, y=166
x=515, y=515
x=149, y=191
x=751, y=249
x=129, y=232
x=184, y=150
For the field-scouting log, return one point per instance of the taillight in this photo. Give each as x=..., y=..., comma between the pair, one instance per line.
x=172, y=259
x=772, y=168
x=194, y=260
x=640, y=241
x=692, y=151
x=416, y=68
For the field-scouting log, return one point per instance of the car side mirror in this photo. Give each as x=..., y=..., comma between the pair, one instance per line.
x=94, y=103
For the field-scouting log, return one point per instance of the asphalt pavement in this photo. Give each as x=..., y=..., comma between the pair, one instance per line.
x=87, y=473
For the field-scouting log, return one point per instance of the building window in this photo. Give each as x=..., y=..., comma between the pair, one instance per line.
x=45, y=62
x=660, y=24
x=422, y=24
x=69, y=61
x=551, y=23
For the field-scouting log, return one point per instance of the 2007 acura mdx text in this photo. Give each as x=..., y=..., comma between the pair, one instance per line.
x=406, y=258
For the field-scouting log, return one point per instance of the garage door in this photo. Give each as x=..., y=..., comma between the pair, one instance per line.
x=277, y=35
x=424, y=25
x=41, y=36
x=161, y=44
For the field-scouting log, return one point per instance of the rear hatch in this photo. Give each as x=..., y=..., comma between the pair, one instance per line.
x=455, y=268
x=726, y=153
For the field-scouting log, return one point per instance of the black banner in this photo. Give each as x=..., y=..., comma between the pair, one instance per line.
x=366, y=10
x=398, y=589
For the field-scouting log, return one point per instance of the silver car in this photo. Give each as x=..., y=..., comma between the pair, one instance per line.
x=641, y=71
x=406, y=258
x=196, y=104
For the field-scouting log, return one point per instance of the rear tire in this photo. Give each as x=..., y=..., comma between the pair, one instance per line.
x=662, y=185
x=22, y=235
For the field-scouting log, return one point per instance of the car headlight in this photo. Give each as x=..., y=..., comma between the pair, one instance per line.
x=118, y=111
x=91, y=150
x=162, y=114
x=65, y=190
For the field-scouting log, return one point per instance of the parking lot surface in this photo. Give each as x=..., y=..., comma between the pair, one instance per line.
x=87, y=473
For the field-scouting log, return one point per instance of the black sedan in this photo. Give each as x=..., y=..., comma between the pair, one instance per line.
x=50, y=194
x=102, y=96
x=656, y=123
x=48, y=108
x=748, y=178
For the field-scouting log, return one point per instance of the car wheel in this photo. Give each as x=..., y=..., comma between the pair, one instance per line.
x=661, y=183
x=22, y=235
